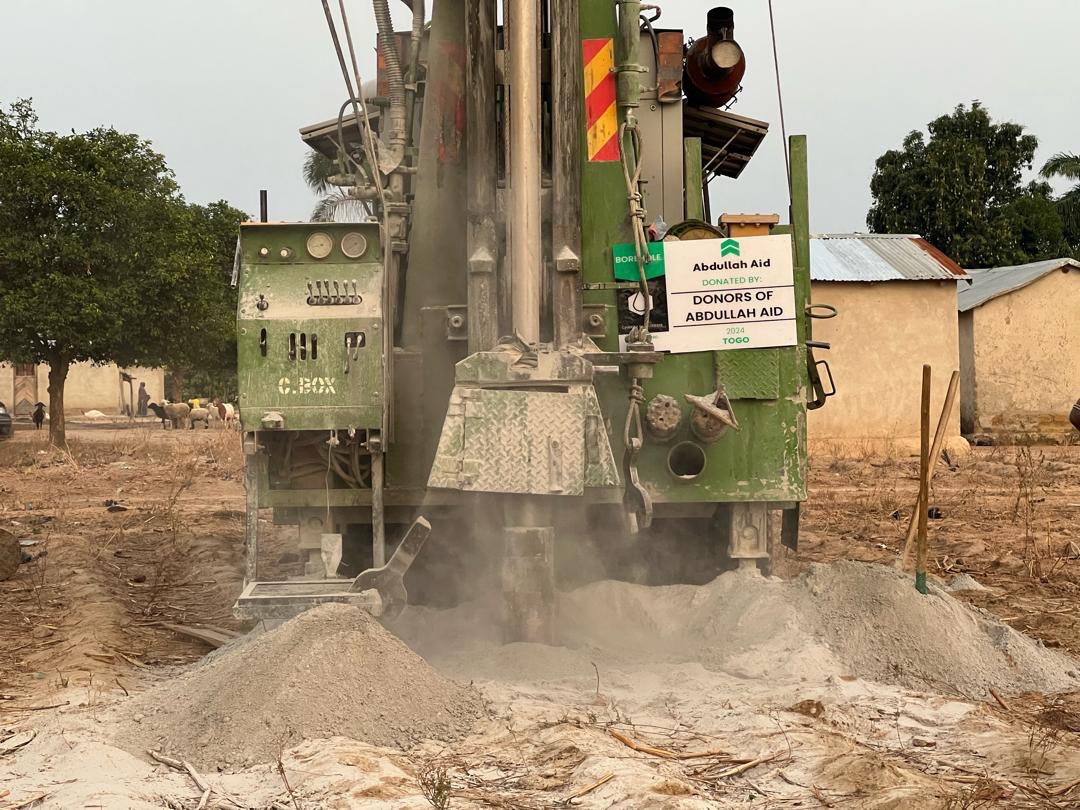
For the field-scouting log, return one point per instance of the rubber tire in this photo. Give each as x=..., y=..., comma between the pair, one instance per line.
x=10, y=555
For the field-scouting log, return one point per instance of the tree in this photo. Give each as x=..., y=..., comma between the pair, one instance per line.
x=335, y=204
x=961, y=189
x=1067, y=166
x=101, y=260
x=205, y=363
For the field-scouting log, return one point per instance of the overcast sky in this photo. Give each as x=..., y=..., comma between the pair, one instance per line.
x=222, y=86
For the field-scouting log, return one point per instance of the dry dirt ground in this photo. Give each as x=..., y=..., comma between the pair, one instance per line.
x=83, y=625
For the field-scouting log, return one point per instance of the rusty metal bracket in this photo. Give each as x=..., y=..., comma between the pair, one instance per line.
x=820, y=394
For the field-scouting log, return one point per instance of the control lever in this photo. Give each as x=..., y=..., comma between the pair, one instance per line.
x=389, y=579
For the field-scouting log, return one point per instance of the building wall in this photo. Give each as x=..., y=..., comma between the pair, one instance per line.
x=883, y=334
x=88, y=387
x=7, y=385
x=1027, y=356
x=968, y=383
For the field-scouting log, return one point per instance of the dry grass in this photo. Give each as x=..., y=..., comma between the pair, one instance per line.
x=172, y=553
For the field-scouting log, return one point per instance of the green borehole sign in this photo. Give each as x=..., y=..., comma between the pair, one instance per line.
x=625, y=258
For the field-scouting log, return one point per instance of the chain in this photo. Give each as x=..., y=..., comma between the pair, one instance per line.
x=636, y=498
x=633, y=418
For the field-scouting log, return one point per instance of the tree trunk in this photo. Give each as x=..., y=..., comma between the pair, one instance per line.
x=58, y=371
x=177, y=394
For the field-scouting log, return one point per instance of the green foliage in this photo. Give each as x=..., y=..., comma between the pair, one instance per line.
x=961, y=189
x=203, y=352
x=101, y=259
x=335, y=204
x=1067, y=165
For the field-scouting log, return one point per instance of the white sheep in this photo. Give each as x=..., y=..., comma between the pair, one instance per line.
x=223, y=411
x=173, y=412
x=199, y=415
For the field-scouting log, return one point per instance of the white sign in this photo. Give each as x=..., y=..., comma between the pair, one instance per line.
x=729, y=294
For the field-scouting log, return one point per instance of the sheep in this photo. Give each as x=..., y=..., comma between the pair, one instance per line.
x=223, y=411
x=174, y=412
x=39, y=415
x=199, y=415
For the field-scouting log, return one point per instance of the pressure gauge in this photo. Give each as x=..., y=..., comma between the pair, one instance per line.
x=353, y=245
x=319, y=245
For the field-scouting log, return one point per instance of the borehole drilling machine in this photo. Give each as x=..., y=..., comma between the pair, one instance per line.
x=536, y=333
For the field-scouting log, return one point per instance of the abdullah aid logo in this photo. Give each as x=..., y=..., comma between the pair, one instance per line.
x=729, y=247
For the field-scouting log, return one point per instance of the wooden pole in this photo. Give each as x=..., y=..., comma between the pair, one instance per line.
x=935, y=454
x=922, y=549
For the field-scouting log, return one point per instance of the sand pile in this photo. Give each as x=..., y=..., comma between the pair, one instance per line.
x=841, y=619
x=883, y=629
x=333, y=670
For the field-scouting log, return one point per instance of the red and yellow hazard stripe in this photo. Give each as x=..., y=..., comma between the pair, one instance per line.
x=601, y=119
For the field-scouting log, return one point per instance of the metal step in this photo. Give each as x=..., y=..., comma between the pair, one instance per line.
x=283, y=600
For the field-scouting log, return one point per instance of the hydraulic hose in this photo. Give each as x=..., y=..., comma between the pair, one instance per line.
x=418, y=11
x=395, y=81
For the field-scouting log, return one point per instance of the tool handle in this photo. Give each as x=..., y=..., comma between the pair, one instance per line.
x=409, y=547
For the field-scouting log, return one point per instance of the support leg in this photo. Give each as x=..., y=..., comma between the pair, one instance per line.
x=378, y=513
x=749, y=538
x=252, y=460
x=528, y=572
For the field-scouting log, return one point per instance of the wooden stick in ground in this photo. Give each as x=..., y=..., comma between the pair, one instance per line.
x=1000, y=702
x=643, y=748
x=26, y=802
x=746, y=766
x=922, y=545
x=603, y=780
x=935, y=454
x=182, y=765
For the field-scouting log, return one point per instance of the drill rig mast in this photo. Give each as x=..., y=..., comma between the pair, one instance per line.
x=540, y=339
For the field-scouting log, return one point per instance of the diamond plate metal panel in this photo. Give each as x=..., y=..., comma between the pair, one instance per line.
x=497, y=456
x=524, y=442
x=600, y=467
x=446, y=469
x=749, y=373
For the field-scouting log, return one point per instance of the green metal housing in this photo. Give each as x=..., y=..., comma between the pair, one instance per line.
x=763, y=462
x=766, y=459
x=309, y=359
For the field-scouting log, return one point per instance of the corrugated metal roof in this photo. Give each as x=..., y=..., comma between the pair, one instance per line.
x=879, y=257
x=987, y=284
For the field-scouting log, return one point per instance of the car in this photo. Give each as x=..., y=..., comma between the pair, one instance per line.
x=6, y=426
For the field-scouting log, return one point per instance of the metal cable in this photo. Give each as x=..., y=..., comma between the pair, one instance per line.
x=637, y=214
x=780, y=100
x=359, y=111
x=369, y=133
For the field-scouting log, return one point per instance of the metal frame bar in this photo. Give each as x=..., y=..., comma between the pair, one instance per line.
x=526, y=249
x=482, y=143
x=567, y=116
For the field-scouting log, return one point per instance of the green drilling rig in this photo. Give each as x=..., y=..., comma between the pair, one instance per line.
x=539, y=336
